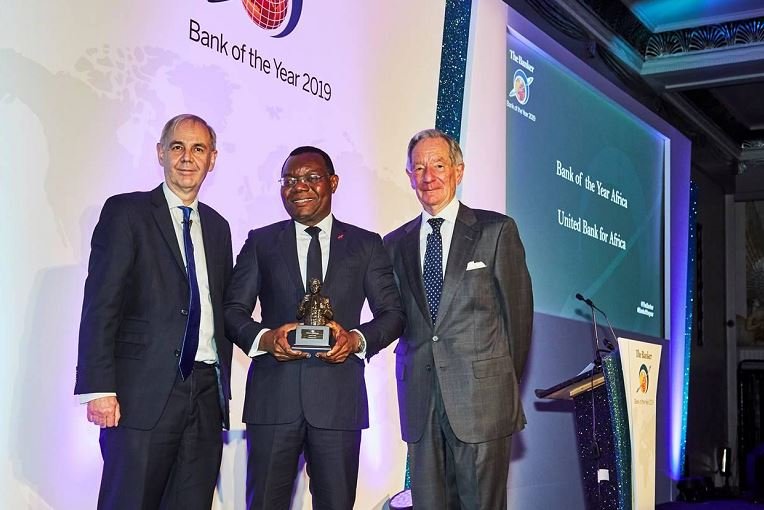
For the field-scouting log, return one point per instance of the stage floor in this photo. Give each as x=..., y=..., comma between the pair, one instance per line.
x=728, y=504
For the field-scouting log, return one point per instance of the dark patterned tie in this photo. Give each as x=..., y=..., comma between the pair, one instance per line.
x=433, y=267
x=191, y=336
x=314, y=268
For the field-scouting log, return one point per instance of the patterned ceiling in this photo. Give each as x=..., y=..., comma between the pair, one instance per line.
x=700, y=61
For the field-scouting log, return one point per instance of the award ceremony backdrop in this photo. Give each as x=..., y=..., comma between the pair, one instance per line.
x=85, y=88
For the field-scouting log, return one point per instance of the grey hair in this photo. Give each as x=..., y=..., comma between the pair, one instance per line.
x=169, y=128
x=454, y=151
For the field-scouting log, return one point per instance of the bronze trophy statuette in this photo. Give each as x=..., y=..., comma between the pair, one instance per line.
x=313, y=313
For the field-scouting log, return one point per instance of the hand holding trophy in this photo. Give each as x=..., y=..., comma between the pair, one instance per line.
x=314, y=312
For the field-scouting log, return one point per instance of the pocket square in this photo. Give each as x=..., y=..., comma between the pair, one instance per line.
x=475, y=265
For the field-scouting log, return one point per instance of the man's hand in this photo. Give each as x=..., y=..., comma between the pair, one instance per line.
x=345, y=343
x=104, y=412
x=275, y=341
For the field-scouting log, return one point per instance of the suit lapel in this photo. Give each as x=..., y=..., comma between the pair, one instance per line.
x=412, y=264
x=163, y=219
x=288, y=250
x=462, y=248
x=337, y=252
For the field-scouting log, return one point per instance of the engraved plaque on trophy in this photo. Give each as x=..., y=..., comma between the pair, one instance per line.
x=313, y=313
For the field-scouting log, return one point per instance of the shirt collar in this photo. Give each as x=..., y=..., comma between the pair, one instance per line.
x=448, y=213
x=325, y=225
x=173, y=201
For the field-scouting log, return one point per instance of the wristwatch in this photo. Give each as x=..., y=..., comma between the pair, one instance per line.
x=361, y=343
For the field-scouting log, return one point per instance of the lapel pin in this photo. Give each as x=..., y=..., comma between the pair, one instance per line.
x=341, y=235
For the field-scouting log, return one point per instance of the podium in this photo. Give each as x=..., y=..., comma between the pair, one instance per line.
x=615, y=406
x=602, y=433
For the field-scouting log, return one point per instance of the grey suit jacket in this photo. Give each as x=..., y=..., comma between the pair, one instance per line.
x=478, y=347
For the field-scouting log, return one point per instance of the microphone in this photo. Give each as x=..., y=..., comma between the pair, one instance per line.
x=582, y=298
x=590, y=303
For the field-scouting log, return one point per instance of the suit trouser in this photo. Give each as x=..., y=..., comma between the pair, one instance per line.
x=449, y=474
x=173, y=465
x=273, y=452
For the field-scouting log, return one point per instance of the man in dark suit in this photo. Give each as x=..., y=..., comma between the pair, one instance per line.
x=154, y=364
x=297, y=402
x=467, y=296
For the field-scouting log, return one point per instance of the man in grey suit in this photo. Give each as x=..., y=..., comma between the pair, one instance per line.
x=467, y=296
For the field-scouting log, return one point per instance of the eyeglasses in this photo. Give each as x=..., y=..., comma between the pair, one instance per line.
x=310, y=179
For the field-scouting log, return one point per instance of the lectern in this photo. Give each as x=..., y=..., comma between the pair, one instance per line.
x=602, y=432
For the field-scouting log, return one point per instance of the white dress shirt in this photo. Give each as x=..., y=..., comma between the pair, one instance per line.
x=303, y=244
x=206, y=351
x=446, y=231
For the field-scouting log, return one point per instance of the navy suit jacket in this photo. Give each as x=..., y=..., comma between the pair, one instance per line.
x=478, y=346
x=134, y=308
x=331, y=396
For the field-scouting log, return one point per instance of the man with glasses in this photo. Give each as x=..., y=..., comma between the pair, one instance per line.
x=297, y=402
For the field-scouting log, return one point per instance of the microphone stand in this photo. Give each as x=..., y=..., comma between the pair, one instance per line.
x=610, y=346
x=597, y=363
x=597, y=355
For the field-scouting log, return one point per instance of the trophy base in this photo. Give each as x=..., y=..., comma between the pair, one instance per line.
x=312, y=338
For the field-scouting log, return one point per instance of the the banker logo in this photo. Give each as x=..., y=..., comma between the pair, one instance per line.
x=278, y=17
x=521, y=86
x=644, y=379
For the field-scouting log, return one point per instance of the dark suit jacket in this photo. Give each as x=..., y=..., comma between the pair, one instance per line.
x=479, y=344
x=134, y=309
x=331, y=396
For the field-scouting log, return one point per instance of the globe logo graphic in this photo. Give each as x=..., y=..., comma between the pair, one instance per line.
x=267, y=14
x=271, y=15
x=520, y=86
x=644, y=379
